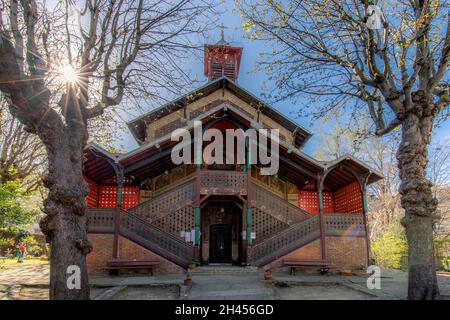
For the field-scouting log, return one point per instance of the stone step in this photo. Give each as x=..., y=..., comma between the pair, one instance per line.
x=219, y=269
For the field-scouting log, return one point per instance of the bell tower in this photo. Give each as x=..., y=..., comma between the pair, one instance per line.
x=222, y=60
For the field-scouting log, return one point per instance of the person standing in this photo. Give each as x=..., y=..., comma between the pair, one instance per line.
x=22, y=250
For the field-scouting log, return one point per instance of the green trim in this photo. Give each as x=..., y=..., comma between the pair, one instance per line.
x=248, y=232
x=119, y=196
x=198, y=158
x=197, y=226
x=319, y=194
x=365, y=206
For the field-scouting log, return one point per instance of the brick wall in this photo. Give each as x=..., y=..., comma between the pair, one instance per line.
x=308, y=252
x=103, y=245
x=346, y=251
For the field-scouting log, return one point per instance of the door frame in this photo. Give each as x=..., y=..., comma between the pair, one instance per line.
x=229, y=229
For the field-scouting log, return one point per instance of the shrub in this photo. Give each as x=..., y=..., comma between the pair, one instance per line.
x=5, y=244
x=388, y=250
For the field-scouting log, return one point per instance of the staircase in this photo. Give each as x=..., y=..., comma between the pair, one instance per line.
x=143, y=233
x=277, y=207
x=285, y=241
x=220, y=269
x=172, y=200
x=140, y=225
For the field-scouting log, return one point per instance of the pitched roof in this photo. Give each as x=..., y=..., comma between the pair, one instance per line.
x=138, y=125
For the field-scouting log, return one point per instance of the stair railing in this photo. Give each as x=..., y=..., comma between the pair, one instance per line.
x=284, y=242
x=166, y=203
x=277, y=207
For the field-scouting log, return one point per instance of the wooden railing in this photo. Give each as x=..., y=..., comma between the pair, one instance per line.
x=141, y=232
x=155, y=239
x=166, y=203
x=101, y=220
x=286, y=241
x=223, y=182
x=277, y=207
x=340, y=223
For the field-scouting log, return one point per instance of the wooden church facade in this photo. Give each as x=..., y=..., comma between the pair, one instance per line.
x=141, y=206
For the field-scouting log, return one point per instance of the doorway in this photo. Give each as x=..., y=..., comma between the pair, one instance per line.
x=220, y=243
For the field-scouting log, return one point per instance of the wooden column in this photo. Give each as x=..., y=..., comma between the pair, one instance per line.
x=244, y=228
x=365, y=211
x=248, y=220
x=118, y=214
x=320, y=182
x=198, y=158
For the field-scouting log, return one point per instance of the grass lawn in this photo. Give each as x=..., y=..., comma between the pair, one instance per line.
x=12, y=262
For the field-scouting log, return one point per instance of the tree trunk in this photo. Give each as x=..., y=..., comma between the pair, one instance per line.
x=419, y=204
x=65, y=222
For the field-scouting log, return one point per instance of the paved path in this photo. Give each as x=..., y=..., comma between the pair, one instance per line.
x=394, y=283
x=14, y=279
x=31, y=281
x=229, y=287
x=23, y=274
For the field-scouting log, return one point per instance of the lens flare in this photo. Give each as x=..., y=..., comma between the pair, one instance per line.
x=68, y=74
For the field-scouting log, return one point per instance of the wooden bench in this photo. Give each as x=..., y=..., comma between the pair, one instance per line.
x=114, y=266
x=323, y=264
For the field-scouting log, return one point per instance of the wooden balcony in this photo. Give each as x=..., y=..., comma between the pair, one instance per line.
x=223, y=182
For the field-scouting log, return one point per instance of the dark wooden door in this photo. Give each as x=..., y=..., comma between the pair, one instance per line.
x=220, y=244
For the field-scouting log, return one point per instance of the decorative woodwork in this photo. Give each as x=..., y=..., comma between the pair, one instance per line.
x=166, y=203
x=279, y=208
x=219, y=182
x=286, y=240
x=265, y=225
x=339, y=224
x=141, y=232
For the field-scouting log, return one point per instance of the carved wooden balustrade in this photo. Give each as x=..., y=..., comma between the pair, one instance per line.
x=276, y=206
x=223, y=182
x=155, y=239
x=168, y=202
x=344, y=223
x=141, y=232
x=101, y=220
x=286, y=241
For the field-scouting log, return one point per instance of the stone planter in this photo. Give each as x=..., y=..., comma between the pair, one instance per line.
x=192, y=266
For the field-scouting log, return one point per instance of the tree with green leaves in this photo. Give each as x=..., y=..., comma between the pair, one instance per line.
x=66, y=63
x=384, y=61
x=13, y=213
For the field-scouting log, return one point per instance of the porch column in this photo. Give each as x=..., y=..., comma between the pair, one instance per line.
x=248, y=219
x=118, y=214
x=365, y=211
x=197, y=204
x=320, y=182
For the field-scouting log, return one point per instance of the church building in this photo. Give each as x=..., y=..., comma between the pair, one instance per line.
x=142, y=207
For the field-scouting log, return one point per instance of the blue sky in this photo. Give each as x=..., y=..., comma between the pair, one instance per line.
x=252, y=81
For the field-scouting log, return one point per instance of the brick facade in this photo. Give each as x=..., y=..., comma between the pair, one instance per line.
x=343, y=252
x=103, y=244
x=310, y=251
x=346, y=251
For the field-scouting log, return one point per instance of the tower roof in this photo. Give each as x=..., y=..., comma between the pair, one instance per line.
x=222, y=60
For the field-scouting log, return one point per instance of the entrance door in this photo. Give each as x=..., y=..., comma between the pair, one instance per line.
x=220, y=244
